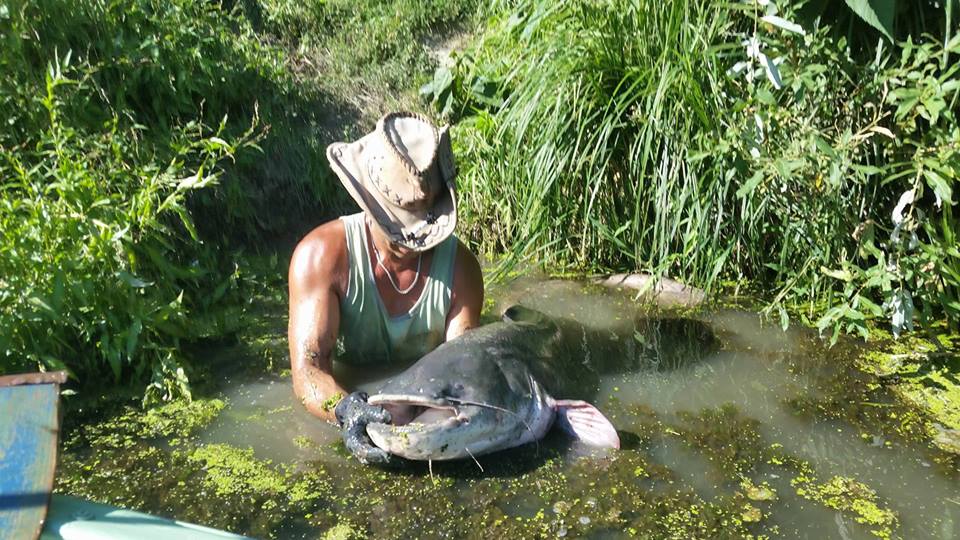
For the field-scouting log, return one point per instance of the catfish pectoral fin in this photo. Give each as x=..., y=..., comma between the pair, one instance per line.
x=586, y=423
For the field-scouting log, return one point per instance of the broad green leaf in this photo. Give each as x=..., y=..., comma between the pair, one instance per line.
x=783, y=23
x=877, y=13
x=442, y=79
x=941, y=187
x=842, y=275
x=766, y=97
x=954, y=44
x=54, y=363
x=42, y=304
x=867, y=169
x=217, y=141
x=133, y=336
x=750, y=184
x=853, y=314
x=901, y=307
x=132, y=280
x=773, y=72
x=870, y=306
x=824, y=147
x=829, y=318
x=187, y=222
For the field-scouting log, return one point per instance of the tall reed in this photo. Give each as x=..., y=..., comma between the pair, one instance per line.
x=717, y=143
x=587, y=162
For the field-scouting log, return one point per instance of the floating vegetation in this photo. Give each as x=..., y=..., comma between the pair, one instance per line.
x=745, y=480
x=920, y=373
x=179, y=418
x=232, y=471
x=763, y=492
x=851, y=497
x=732, y=441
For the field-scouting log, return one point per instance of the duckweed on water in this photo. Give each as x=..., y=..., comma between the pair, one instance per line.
x=230, y=470
x=732, y=441
x=342, y=531
x=735, y=446
x=850, y=497
x=538, y=491
x=177, y=419
x=923, y=376
x=302, y=441
x=181, y=418
x=529, y=492
x=895, y=393
x=763, y=492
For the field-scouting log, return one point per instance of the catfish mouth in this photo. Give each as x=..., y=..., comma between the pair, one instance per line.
x=419, y=411
x=424, y=428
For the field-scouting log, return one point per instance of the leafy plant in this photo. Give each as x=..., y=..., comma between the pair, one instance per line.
x=103, y=271
x=727, y=143
x=877, y=13
x=151, y=148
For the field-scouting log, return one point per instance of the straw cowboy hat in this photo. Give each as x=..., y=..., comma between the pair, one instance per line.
x=401, y=174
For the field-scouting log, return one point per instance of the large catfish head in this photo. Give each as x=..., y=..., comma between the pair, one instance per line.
x=470, y=396
x=477, y=394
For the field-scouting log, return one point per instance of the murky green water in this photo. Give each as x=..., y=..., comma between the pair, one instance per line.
x=762, y=433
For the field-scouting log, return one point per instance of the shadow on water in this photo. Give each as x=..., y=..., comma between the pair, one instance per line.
x=510, y=463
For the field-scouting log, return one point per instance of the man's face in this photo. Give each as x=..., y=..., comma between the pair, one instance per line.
x=389, y=248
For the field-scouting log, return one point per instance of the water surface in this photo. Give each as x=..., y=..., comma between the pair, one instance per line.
x=755, y=432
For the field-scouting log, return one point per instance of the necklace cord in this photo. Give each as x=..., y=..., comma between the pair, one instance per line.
x=387, y=272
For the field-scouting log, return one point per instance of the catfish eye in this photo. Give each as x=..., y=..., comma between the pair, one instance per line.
x=450, y=390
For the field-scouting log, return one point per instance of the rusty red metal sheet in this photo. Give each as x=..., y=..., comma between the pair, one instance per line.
x=29, y=429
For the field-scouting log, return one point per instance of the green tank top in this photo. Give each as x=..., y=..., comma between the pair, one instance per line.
x=368, y=334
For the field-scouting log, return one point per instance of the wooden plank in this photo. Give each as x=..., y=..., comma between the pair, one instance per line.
x=47, y=377
x=29, y=428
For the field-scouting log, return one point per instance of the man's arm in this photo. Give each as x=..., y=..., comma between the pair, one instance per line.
x=466, y=299
x=313, y=328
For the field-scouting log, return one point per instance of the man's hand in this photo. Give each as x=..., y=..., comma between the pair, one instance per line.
x=353, y=414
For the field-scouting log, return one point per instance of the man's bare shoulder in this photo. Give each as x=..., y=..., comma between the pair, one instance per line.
x=466, y=299
x=321, y=256
x=467, y=267
x=467, y=275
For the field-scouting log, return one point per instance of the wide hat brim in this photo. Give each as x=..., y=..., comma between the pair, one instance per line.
x=419, y=227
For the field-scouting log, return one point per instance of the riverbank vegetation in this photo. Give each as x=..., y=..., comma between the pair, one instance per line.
x=790, y=146
x=159, y=157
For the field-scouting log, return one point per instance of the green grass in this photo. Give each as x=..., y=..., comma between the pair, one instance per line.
x=615, y=136
x=367, y=53
x=150, y=147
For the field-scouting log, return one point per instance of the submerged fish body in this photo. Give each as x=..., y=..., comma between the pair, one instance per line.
x=480, y=393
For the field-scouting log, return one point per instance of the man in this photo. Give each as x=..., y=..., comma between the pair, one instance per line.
x=386, y=285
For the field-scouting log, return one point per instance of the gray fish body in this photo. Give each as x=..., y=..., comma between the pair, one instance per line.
x=495, y=386
x=470, y=396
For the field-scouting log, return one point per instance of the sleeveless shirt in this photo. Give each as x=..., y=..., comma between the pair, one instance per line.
x=368, y=334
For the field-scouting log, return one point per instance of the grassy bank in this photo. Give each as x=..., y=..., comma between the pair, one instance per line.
x=792, y=149
x=151, y=150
